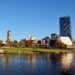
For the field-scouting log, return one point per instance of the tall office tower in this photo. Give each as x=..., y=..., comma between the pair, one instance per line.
x=65, y=26
x=8, y=35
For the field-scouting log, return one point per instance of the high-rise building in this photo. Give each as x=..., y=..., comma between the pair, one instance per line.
x=65, y=26
x=8, y=35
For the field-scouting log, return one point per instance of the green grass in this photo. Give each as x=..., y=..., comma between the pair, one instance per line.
x=23, y=50
x=16, y=50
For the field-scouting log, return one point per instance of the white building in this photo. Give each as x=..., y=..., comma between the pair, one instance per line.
x=32, y=41
x=67, y=41
x=4, y=42
x=31, y=38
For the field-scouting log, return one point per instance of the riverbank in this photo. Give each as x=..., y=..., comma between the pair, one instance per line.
x=25, y=50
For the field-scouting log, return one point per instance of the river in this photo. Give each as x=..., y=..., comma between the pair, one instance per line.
x=38, y=64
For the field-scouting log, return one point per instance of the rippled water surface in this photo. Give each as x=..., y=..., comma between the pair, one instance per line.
x=37, y=64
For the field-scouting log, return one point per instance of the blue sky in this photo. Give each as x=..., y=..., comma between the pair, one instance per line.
x=34, y=17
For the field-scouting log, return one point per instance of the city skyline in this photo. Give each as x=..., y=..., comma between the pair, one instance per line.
x=39, y=18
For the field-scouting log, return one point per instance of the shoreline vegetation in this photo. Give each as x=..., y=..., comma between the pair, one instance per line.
x=32, y=50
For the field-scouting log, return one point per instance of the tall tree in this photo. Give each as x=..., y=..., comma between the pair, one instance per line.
x=15, y=43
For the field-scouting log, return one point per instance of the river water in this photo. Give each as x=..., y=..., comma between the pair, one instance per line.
x=38, y=64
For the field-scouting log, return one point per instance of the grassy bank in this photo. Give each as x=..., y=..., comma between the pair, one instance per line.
x=23, y=50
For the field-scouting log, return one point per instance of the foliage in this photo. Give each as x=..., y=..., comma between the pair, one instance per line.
x=57, y=44
x=15, y=43
x=1, y=43
x=22, y=43
x=9, y=43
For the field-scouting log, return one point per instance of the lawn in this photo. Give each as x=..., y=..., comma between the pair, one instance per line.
x=23, y=50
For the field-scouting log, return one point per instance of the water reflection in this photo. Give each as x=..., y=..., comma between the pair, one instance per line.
x=55, y=63
x=67, y=63
x=37, y=64
x=31, y=58
x=6, y=61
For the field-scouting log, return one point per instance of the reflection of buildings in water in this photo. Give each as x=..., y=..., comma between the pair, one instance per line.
x=55, y=58
x=55, y=63
x=1, y=56
x=45, y=56
x=7, y=61
x=5, y=58
x=66, y=63
x=62, y=62
x=31, y=58
x=66, y=60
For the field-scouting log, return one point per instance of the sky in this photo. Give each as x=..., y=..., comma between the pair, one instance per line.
x=39, y=18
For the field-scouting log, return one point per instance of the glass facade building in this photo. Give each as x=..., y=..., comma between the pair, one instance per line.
x=65, y=26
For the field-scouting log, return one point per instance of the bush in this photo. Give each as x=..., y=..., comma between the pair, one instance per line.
x=57, y=44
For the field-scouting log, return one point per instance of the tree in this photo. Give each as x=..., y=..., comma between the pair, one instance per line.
x=28, y=43
x=15, y=43
x=57, y=44
x=39, y=43
x=22, y=43
x=1, y=43
x=9, y=43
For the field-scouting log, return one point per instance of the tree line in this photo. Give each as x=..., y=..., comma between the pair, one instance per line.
x=29, y=43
